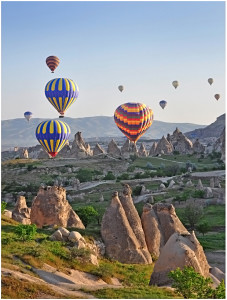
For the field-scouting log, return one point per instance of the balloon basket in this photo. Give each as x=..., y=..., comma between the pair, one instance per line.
x=61, y=116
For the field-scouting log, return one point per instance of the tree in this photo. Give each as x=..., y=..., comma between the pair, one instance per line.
x=193, y=285
x=192, y=213
x=203, y=227
x=87, y=214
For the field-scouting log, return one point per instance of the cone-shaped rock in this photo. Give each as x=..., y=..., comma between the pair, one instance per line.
x=198, y=147
x=113, y=149
x=164, y=147
x=120, y=240
x=180, y=142
x=159, y=223
x=79, y=148
x=50, y=207
x=98, y=150
x=128, y=149
x=142, y=150
x=21, y=213
x=153, y=149
x=180, y=250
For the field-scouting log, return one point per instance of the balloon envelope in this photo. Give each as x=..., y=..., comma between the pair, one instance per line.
x=175, y=83
x=163, y=104
x=121, y=88
x=52, y=62
x=61, y=93
x=210, y=80
x=53, y=135
x=28, y=115
x=133, y=119
x=217, y=96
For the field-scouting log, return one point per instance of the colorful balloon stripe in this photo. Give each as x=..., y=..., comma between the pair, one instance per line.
x=53, y=135
x=133, y=119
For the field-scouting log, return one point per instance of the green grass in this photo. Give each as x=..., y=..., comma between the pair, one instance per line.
x=143, y=292
x=212, y=241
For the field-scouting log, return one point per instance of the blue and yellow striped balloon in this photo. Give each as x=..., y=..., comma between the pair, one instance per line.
x=53, y=135
x=61, y=93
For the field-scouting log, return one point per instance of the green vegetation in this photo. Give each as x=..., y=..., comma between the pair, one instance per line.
x=87, y=214
x=26, y=232
x=109, y=176
x=203, y=227
x=212, y=241
x=192, y=285
x=3, y=206
x=192, y=214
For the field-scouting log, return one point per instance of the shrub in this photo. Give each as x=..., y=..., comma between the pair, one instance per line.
x=109, y=176
x=131, y=169
x=175, y=152
x=198, y=194
x=124, y=176
x=133, y=157
x=192, y=285
x=203, y=227
x=84, y=175
x=149, y=166
x=26, y=232
x=192, y=213
x=87, y=214
x=136, y=191
x=3, y=206
x=83, y=253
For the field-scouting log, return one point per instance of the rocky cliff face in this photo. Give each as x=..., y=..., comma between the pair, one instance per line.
x=212, y=130
x=50, y=207
x=122, y=231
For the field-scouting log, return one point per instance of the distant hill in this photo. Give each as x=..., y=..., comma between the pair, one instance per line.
x=19, y=132
x=212, y=130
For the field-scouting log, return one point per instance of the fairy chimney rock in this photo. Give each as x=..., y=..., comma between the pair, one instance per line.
x=180, y=250
x=153, y=149
x=159, y=223
x=123, y=241
x=50, y=207
x=79, y=148
x=180, y=142
x=113, y=149
x=21, y=213
x=198, y=147
x=164, y=147
x=98, y=150
x=142, y=150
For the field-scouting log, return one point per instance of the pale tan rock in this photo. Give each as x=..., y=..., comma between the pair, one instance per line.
x=65, y=232
x=113, y=149
x=180, y=142
x=199, y=185
x=142, y=150
x=7, y=213
x=164, y=147
x=198, y=147
x=119, y=238
x=216, y=272
x=79, y=148
x=75, y=236
x=21, y=213
x=159, y=223
x=50, y=207
x=153, y=149
x=179, y=251
x=98, y=150
x=57, y=236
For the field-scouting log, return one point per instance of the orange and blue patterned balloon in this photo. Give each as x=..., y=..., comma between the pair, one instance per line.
x=53, y=135
x=133, y=119
x=61, y=93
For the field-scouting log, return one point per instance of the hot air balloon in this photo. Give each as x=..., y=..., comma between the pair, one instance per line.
x=175, y=83
x=217, y=96
x=28, y=115
x=121, y=88
x=52, y=62
x=210, y=80
x=133, y=119
x=53, y=135
x=163, y=104
x=61, y=93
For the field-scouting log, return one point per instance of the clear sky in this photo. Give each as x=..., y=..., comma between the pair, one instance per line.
x=141, y=45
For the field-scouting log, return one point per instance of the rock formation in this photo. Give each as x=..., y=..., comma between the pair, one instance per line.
x=113, y=149
x=128, y=149
x=50, y=207
x=159, y=223
x=65, y=151
x=164, y=147
x=79, y=148
x=219, y=145
x=179, y=251
x=153, y=149
x=21, y=213
x=198, y=147
x=199, y=185
x=98, y=150
x=142, y=150
x=122, y=231
x=180, y=142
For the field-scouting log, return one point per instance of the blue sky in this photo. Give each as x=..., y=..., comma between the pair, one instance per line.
x=141, y=45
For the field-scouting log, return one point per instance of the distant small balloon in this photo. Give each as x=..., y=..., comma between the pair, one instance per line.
x=52, y=62
x=210, y=80
x=121, y=88
x=175, y=83
x=163, y=104
x=217, y=96
x=28, y=115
